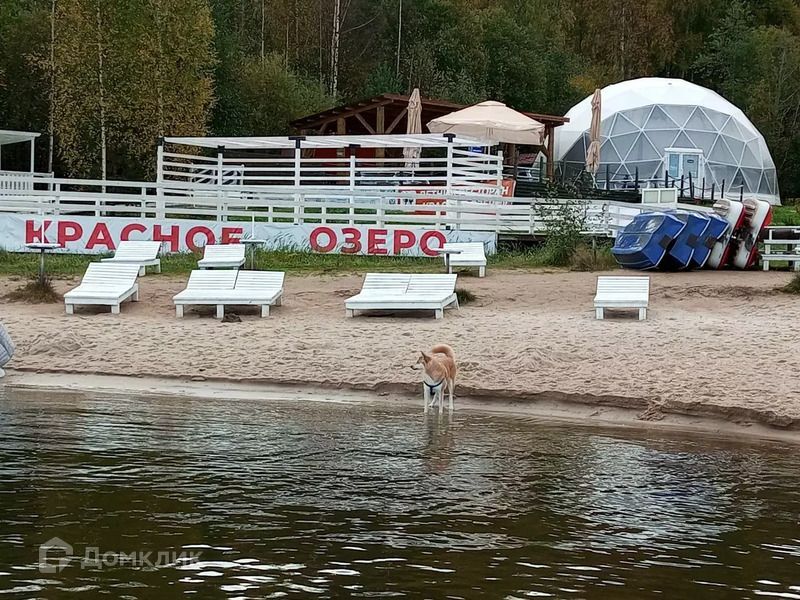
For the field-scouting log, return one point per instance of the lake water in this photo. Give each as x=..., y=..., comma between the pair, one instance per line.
x=249, y=499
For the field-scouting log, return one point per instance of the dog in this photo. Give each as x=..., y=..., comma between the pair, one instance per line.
x=439, y=375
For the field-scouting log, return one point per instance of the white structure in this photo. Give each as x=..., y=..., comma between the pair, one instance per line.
x=448, y=164
x=669, y=129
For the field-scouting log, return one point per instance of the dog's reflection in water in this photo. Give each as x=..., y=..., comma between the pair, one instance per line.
x=440, y=442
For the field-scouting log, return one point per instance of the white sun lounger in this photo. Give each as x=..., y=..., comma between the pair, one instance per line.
x=471, y=254
x=622, y=292
x=105, y=284
x=238, y=288
x=395, y=291
x=136, y=252
x=222, y=256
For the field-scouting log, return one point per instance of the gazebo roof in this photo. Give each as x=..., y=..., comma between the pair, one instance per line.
x=14, y=137
x=394, y=106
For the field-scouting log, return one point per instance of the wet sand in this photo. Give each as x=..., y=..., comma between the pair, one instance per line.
x=716, y=347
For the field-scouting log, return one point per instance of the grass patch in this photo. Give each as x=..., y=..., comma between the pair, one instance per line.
x=786, y=215
x=793, y=287
x=585, y=258
x=26, y=265
x=465, y=296
x=35, y=292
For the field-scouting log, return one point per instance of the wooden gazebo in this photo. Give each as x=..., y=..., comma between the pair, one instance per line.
x=387, y=113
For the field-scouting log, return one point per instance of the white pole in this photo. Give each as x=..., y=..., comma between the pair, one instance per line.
x=160, y=208
x=449, y=188
x=221, y=213
x=297, y=165
x=33, y=155
x=352, y=185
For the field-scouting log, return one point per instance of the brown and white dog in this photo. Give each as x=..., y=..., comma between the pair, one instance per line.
x=439, y=374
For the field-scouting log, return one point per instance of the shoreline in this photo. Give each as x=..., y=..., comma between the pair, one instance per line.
x=718, y=349
x=621, y=414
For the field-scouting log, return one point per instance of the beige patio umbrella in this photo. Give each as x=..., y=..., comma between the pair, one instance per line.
x=414, y=120
x=593, y=151
x=491, y=121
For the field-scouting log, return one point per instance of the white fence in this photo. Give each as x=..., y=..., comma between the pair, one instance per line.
x=474, y=211
x=13, y=181
x=460, y=171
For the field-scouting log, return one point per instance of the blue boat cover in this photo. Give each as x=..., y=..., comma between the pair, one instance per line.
x=716, y=228
x=687, y=241
x=645, y=241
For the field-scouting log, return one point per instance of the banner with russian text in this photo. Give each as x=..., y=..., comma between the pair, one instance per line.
x=98, y=235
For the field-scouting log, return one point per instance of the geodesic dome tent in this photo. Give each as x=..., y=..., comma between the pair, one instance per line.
x=670, y=129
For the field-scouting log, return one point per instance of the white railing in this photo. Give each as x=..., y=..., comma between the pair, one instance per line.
x=20, y=180
x=460, y=172
x=320, y=205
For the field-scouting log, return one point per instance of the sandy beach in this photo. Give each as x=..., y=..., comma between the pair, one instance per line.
x=715, y=345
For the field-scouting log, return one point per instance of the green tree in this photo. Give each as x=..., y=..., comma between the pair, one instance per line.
x=268, y=97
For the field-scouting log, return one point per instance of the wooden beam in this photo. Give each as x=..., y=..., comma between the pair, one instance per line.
x=341, y=129
x=366, y=125
x=380, y=127
x=550, y=130
x=397, y=120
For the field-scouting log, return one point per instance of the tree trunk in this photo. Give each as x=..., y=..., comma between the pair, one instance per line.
x=263, y=28
x=52, y=116
x=158, y=74
x=101, y=90
x=335, y=47
x=399, y=37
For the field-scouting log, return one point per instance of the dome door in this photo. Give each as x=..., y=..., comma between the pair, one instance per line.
x=683, y=162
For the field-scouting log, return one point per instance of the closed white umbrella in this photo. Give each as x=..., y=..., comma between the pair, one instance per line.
x=593, y=151
x=414, y=126
x=492, y=121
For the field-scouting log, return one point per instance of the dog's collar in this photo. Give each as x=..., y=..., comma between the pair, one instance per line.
x=433, y=386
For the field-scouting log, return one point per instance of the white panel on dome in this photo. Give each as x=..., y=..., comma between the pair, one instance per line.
x=608, y=153
x=751, y=177
x=772, y=180
x=717, y=118
x=662, y=139
x=703, y=140
x=622, y=125
x=659, y=120
x=721, y=173
x=699, y=121
x=721, y=153
x=749, y=158
x=683, y=142
x=648, y=170
x=623, y=143
x=679, y=114
x=736, y=147
x=732, y=129
x=763, y=185
x=638, y=116
x=642, y=149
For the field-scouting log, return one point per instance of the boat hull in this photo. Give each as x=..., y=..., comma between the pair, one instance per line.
x=644, y=243
x=733, y=213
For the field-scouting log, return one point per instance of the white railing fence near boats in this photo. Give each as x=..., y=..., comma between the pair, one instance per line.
x=433, y=207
